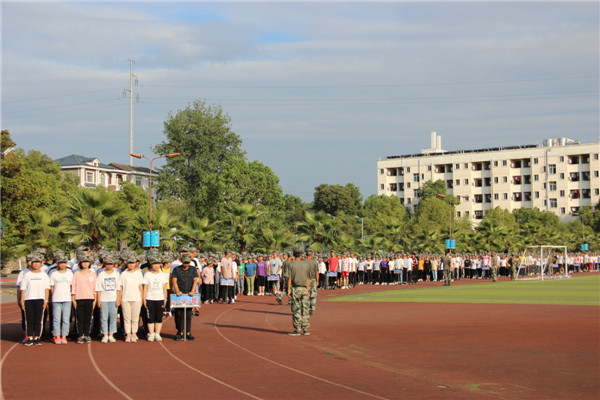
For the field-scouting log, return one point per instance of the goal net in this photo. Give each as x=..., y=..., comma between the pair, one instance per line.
x=543, y=262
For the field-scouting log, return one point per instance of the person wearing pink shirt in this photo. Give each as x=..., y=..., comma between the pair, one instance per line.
x=83, y=296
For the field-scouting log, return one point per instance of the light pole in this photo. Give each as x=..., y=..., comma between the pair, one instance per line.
x=150, y=175
x=583, y=228
x=451, y=212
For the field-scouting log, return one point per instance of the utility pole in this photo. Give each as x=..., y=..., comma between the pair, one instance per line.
x=132, y=79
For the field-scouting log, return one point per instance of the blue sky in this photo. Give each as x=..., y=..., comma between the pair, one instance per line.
x=317, y=91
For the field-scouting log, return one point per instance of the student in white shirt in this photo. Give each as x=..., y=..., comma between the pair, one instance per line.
x=155, y=297
x=61, y=278
x=108, y=298
x=35, y=290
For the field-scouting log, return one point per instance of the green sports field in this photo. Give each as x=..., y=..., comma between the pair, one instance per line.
x=580, y=290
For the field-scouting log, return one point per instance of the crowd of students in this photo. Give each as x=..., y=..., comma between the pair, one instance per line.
x=86, y=295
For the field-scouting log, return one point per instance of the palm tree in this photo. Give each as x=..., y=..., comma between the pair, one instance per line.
x=371, y=244
x=45, y=230
x=494, y=236
x=317, y=229
x=198, y=231
x=244, y=219
x=95, y=216
x=276, y=240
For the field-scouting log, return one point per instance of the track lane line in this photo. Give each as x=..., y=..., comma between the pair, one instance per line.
x=215, y=324
x=99, y=371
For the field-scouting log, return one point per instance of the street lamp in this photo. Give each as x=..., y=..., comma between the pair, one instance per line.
x=583, y=243
x=150, y=175
x=442, y=196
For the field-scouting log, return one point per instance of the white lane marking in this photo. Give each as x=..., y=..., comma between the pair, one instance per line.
x=99, y=371
x=288, y=367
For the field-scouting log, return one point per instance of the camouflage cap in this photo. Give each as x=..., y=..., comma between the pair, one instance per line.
x=35, y=257
x=154, y=259
x=83, y=257
x=60, y=256
x=167, y=258
x=131, y=258
x=110, y=259
x=186, y=258
x=40, y=250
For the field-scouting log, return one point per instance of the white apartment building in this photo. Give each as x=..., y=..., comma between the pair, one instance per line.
x=560, y=176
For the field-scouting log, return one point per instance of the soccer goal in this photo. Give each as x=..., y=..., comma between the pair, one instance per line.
x=543, y=262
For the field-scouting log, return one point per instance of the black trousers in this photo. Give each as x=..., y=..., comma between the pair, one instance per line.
x=179, y=319
x=85, y=309
x=34, y=314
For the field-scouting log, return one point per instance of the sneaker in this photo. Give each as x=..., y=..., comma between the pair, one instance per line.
x=134, y=339
x=104, y=339
x=306, y=332
x=28, y=342
x=63, y=340
x=37, y=341
x=232, y=302
x=179, y=337
x=128, y=339
x=88, y=339
x=279, y=300
x=80, y=339
x=190, y=337
x=57, y=340
x=111, y=339
x=294, y=333
x=151, y=337
x=157, y=337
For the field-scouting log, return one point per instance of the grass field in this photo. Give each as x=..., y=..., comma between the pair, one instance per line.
x=580, y=290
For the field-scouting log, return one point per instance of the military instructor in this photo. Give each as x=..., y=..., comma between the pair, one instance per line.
x=298, y=289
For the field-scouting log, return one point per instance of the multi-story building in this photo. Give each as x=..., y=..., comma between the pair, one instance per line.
x=92, y=172
x=560, y=176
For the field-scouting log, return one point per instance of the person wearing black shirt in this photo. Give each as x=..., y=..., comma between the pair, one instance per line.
x=184, y=279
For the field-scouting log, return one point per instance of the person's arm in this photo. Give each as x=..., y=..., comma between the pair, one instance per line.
x=308, y=284
x=289, y=286
x=165, y=292
x=141, y=289
x=192, y=292
x=98, y=301
x=22, y=299
x=46, y=298
x=175, y=286
x=144, y=293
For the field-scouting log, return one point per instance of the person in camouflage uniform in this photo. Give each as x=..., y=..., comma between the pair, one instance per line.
x=495, y=266
x=314, y=280
x=447, y=271
x=284, y=275
x=298, y=289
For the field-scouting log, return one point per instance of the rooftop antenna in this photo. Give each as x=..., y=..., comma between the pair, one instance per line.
x=132, y=79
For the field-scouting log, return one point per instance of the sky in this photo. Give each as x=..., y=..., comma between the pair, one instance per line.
x=317, y=91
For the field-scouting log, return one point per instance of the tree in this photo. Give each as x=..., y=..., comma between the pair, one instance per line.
x=317, y=230
x=199, y=231
x=95, y=217
x=335, y=199
x=381, y=210
x=203, y=136
x=244, y=225
x=241, y=182
x=432, y=189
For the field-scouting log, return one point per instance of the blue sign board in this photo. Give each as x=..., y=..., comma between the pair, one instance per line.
x=584, y=247
x=150, y=238
x=450, y=243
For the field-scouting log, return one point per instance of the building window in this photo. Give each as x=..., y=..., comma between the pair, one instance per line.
x=408, y=185
x=488, y=198
x=89, y=177
x=393, y=187
x=562, y=211
x=495, y=179
x=495, y=163
x=478, y=198
x=496, y=196
x=516, y=196
x=552, y=186
x=415, y=193
x=138, y=181
x=561, y=176
x=595, y=174
x=457, y=166
x=415, y=177
x=466, y=213
x=467, y=164
x=505, y=196
x=552, y=169
x=535, y=160
x=561, y=159
x=596, y=192
x=457, y=183
x=407, y=169
x=458, y=212
x=553, y=203
x=596, y=156
x=536, y=177
x=429, y=168
x=381, y=186
x=504, y=163
x=478, y=214
x=408, y=201
x=536, y=195
x=466, y=181
x=562, y=193
x=527, y=196
x=504, y=179
x=381, y=171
